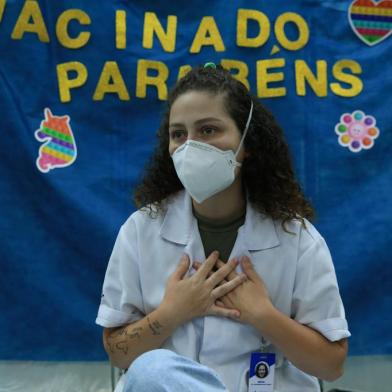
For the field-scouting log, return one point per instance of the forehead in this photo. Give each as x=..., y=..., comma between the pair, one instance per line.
x=193, y=105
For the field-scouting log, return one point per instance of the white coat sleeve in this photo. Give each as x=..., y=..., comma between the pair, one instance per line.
x=316, y=299
x=121, y=301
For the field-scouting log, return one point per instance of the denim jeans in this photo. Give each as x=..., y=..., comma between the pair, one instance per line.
x=163, y=370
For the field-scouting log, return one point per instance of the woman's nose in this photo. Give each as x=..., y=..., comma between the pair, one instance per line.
x=192, y=136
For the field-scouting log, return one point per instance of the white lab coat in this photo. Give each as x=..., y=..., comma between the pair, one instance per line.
x=296, y=268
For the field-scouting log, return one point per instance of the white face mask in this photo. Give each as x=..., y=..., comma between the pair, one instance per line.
x=205, y=170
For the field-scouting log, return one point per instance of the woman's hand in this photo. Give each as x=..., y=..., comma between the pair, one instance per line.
x=187, y=297
x=250, y=298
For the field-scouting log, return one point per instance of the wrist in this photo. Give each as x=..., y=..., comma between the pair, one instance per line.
x=262, y=314
x=169, y=316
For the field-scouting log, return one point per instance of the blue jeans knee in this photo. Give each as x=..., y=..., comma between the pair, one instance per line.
x=163, y=370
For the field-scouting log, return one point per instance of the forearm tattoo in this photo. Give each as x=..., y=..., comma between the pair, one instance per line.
x=125, y=336
x=120, y=340
x=155, y=326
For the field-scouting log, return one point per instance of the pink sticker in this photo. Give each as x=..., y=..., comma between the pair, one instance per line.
x=357, y=131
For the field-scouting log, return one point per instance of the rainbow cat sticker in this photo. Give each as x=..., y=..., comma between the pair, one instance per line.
x=59, y=149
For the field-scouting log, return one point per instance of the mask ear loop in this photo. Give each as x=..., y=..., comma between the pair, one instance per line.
x=245, y=132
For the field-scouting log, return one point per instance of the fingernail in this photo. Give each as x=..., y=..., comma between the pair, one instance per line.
x=245, y=260
x=184, y=258
x=234, y=262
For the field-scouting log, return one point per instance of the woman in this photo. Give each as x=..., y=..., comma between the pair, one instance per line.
x=261, y=370
x=220, y=261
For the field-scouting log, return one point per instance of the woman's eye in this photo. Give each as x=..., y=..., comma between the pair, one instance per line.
x=208, y=131
x=177, y=134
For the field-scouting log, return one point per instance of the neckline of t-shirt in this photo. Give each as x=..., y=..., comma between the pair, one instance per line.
x=221, y=225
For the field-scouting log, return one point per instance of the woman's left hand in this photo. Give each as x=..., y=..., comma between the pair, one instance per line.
x=250, y=298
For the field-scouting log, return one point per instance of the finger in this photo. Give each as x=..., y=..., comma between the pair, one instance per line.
x=226, y=301
x=222, y=290
x=222, y=311
x=206, y=267
x=181, y=269
x=196, y=265
x=221, y=264
x=222, y=304
x=247, y=267
x=222, y=273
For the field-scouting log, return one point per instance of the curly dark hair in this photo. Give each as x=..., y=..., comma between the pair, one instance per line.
x=267, y=173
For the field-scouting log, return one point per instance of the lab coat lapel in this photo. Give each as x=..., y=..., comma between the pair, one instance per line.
x=259, y=230
x=257, y=233
x=180, y=227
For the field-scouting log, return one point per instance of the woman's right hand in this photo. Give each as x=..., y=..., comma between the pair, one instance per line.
x=187, y=297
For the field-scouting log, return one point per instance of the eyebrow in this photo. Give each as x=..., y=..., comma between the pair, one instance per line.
x=202, y=120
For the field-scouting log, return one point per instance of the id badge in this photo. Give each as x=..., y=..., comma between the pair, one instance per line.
x=261, y=372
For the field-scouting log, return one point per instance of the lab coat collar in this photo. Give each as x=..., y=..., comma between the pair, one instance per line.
x=259, y=229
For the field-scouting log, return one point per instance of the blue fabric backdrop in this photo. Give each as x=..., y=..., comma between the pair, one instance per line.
x=66, y=182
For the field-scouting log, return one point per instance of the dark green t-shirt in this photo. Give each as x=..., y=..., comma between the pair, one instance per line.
x=220, y=234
